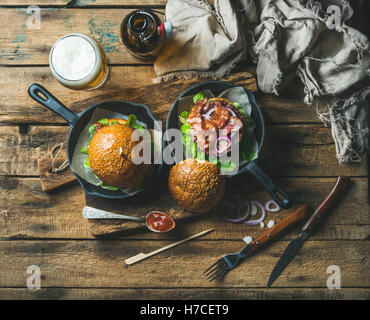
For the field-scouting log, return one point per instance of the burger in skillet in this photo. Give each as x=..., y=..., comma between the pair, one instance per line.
x=209, y=128
x=212, y=126
x=196, y=185
x=110, y=153
x=213, y=115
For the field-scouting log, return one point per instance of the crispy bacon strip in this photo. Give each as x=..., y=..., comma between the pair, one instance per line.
x=210, y=116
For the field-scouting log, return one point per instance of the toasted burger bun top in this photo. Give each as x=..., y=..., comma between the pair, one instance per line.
x=110, y=156
x=220, y=99
x=196, y=185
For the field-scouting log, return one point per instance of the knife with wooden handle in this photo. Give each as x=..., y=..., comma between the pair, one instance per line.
x=270, y=234
x=294, y=217
x=294, y=245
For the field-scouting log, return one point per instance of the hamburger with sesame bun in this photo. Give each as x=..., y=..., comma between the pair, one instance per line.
x=110, y=153
x=196, y=185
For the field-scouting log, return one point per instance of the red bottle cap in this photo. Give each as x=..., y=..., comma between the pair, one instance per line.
x=165, y=30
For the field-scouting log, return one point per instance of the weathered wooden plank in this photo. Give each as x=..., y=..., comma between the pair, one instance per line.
x=21, y=45
x=87, y=3
x=83, y=3
x=304, y=150
x=185, y=294
x=17, y=107
x=289, y=150
x=289, y=108
x=125, y=82
x=101, y=264
x=26, y=212
x=30, y=2
x=23, y=149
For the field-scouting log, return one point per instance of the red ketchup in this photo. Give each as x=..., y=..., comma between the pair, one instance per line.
x=159, y=222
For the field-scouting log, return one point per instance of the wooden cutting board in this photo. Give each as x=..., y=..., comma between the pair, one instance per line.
x=50, y=181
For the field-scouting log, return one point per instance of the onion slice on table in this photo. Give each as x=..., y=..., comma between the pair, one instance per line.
x=254, y=210
x=276, y=207
x=233, y=200
x=263, y=216
x=241, y=217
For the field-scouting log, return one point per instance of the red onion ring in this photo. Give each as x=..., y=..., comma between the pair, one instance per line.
x=269, y=209
x=231, y=111
x=236, y=196
x=223, y=138
x=207, y=115
x=240, y=219
x=256, y=222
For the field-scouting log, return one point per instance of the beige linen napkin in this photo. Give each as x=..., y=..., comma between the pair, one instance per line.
x=207, y=42
x=300, y=38
x=287, y=39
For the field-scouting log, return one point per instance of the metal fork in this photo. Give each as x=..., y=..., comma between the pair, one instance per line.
x=230, y=261
x=226, y=263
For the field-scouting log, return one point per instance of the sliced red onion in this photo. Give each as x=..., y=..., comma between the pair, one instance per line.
x=248, y=239
x=209, y=112
x=263, y=216
x=223, y=138
x=231, y=111
x=276, y=207
x=254, y=210
x=270, y=224
x=229, y=200
x=241, y=218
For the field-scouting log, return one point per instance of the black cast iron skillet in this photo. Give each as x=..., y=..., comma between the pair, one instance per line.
x=78, y=122
x=217, y=87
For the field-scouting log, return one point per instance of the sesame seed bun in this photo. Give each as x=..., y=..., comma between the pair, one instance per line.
x=197, y=186
x=110, y=156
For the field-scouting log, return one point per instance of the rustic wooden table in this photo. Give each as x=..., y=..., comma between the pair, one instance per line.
x=49, y=231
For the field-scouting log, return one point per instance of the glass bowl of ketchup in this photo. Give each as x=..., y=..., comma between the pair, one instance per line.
x=158, y=221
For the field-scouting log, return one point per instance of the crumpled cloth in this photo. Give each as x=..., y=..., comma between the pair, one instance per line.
x=207, y=42
x=286, y=39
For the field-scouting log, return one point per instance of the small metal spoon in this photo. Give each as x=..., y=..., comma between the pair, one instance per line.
x=154, y=230
x=93, y=213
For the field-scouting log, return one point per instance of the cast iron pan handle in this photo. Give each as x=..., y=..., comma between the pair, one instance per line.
x=282, y=198
x=52, y=103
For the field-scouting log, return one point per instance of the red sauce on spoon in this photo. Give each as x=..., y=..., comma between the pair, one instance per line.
x=160, y=222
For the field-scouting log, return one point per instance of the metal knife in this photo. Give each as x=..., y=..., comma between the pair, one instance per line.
x=93, y=213
x=230, y=261
x=294, y=245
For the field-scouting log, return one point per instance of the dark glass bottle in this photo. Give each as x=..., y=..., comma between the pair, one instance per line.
x=143, y=33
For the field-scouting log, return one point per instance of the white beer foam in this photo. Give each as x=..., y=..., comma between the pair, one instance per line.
x=73, y=58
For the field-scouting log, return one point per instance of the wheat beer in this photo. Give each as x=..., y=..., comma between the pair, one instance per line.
x=78, y=62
